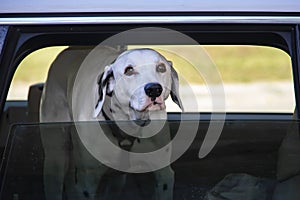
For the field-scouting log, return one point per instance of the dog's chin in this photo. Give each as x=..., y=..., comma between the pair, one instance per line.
x=143, y=117
x=142, y=123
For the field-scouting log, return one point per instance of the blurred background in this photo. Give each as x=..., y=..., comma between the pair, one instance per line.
x=254, y=78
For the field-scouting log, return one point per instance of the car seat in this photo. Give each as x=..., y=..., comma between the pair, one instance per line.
x=34, y=97
x=288, y=166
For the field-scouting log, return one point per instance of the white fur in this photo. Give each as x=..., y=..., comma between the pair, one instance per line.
x=71, y=94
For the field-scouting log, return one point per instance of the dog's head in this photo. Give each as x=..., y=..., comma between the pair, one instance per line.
x=138, y=82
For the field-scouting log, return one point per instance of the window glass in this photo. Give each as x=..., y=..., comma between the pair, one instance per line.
x=250, y=78
x=243, y=163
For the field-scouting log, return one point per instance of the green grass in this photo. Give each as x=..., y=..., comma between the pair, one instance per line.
x=194, y=64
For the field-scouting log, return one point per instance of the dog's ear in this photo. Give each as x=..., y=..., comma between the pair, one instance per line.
x=106, y=83
x=175, y=87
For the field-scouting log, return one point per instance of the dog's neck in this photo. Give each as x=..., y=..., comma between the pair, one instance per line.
x=125, y=141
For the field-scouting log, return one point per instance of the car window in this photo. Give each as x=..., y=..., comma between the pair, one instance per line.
x=252, y=78
x=110, y=137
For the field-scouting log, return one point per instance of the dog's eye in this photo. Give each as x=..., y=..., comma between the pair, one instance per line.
x=161, y=68
x=129, y=71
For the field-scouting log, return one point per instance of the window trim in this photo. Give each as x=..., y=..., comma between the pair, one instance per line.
x=143, y=19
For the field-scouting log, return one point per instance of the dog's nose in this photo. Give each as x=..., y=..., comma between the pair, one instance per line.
x=153, y=90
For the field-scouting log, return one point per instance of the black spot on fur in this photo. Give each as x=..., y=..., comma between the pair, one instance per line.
x=102, y=83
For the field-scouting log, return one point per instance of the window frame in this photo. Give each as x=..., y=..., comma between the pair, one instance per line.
x=22, y=40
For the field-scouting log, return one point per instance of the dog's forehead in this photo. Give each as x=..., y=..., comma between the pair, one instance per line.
x=138, y=57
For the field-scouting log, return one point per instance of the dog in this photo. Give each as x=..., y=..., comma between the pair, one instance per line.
x=132, y=87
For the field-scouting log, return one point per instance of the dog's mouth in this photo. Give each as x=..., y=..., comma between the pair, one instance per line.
x=141, y=119
x=152, y=106
x=154, y=110
x=143, y=110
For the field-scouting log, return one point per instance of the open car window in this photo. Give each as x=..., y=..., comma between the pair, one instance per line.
x=254, y=79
